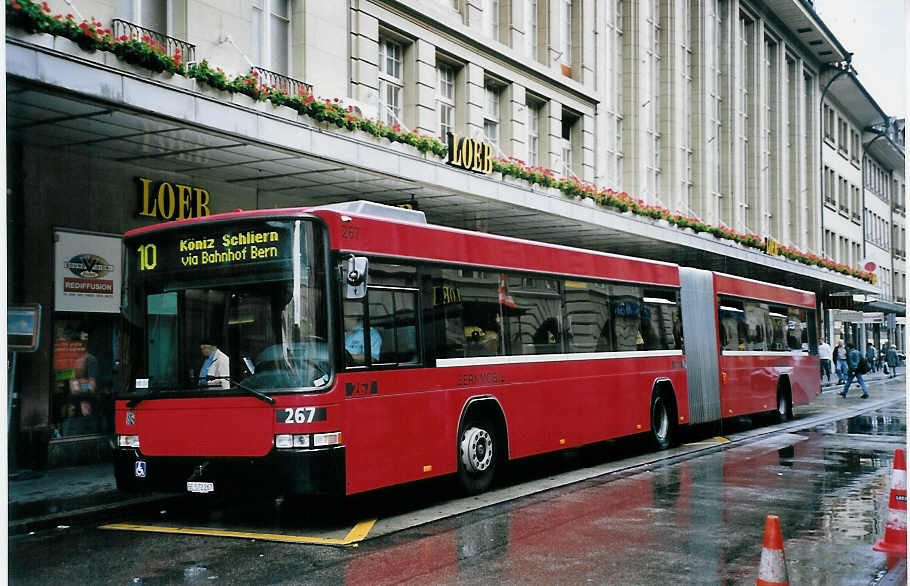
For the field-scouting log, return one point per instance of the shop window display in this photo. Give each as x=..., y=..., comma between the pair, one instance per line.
x=84, y=374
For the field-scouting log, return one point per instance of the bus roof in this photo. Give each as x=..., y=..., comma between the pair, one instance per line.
x=743, y=287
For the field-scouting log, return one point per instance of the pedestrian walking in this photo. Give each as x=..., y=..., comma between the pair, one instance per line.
x=892, y=361
x=824, y=358
x=854, y=357
x=870, y=355
x=840, y=362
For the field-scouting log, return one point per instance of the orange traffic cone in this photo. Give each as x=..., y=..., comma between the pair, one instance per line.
x=895, y=541
x=772, y=571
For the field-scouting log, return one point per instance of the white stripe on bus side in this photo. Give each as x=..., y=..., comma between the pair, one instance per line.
x=530, y=358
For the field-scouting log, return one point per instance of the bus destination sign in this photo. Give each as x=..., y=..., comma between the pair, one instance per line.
x=214, y=249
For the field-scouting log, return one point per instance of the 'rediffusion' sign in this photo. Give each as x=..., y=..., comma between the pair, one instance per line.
x=87, y=272
x=467, y=153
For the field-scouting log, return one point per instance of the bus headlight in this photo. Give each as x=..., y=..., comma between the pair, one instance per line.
x=128, y=441
x=287, y=440
x=317, y=440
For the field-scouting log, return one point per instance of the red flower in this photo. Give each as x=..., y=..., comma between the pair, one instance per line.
x=45, y=7
x=69, y=17
x=17, y=6
x=123, y=38
x=254, y=73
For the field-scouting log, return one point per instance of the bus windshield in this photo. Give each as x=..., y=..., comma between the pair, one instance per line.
x=225, y=307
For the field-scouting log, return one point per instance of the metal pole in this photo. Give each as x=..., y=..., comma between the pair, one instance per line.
x=10, y=401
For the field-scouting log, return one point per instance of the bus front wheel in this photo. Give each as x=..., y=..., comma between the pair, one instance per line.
x=477, y=455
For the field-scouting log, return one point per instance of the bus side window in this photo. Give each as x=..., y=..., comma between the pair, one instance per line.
x=660, y=320
x=626, y=305
x=393, y=314
x=587, y=309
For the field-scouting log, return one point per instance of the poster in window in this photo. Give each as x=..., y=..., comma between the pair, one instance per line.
x=87, y=272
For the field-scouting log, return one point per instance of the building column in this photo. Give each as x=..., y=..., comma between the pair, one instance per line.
x=472, y=121
x=586, y=150
x=364, y=57
x=515, y=126
x=551, y=126
x=423, y=102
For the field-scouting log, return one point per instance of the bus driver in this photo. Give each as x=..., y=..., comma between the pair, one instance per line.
x=216, y=370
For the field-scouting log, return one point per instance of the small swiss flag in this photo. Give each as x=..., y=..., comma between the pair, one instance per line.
x=504, y=297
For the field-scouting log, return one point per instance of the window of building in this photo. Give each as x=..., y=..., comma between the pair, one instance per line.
x=491, y=17
x=492, y=111
x=566, y=31
x=854, y=147
x=715, y=89
x=614, y=106
x=535, y=111
x=570, y=134
x=271, y=35
x=532, y=29
x=828, y=121
x=391, y=80
x=652, y=100
x=843, y=135
x=445, y=98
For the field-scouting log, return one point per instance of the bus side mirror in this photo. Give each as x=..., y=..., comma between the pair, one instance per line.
x=355, y=278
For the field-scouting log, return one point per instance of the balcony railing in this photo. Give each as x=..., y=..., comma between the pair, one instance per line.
x=169, y=45
x=293, y=87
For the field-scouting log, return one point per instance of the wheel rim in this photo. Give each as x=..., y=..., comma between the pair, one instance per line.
x=661, y=421
x=476, y=450
x=782, y=406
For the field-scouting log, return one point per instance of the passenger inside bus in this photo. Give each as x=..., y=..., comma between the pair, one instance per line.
x=354, y=343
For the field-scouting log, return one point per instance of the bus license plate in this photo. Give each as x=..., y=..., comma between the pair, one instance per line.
x=202, y=487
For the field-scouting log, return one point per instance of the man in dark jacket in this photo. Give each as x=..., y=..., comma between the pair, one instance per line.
x=870, y=355
x=853, y=359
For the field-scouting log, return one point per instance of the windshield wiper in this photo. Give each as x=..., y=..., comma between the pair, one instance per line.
x=236, y=385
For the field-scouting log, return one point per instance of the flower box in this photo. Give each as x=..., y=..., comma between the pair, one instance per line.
x=175, y=79
x=40, y=39
x=244, y=100
x=285, y=112
x=220, y=95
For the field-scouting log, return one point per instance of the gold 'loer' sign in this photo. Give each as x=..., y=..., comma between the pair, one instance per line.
x=470, y=154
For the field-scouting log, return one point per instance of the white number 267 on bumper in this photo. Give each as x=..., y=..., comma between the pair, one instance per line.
x=300, y=414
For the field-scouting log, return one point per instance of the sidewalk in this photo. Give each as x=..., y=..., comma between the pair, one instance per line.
x=39, y=499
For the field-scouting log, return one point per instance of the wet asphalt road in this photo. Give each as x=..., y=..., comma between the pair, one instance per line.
x=699, y=521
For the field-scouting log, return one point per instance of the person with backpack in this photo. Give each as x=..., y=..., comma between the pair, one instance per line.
x=856, y=365
x=870, y=356
x=892, y=361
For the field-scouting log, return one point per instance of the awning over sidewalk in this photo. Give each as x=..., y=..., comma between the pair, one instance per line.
x=60, y=100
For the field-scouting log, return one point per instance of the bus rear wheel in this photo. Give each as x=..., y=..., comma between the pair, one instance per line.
x=477, y=455
x=784, y=407
x=662, y=423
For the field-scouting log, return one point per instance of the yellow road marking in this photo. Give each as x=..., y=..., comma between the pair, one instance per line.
x=358, y=533
x=711, y=442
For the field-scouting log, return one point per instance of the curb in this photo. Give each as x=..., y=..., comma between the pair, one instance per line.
x=75, y=509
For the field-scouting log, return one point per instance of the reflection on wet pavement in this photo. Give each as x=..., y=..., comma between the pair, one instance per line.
x=701, y=518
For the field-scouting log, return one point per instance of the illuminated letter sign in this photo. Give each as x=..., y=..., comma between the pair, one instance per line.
x=772, y=247
x=470, y=154
x=172, y=201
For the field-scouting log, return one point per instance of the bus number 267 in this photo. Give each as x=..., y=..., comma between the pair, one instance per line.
x=301, y=414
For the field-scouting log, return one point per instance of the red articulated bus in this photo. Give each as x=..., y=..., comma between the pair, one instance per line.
x=344, y=348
